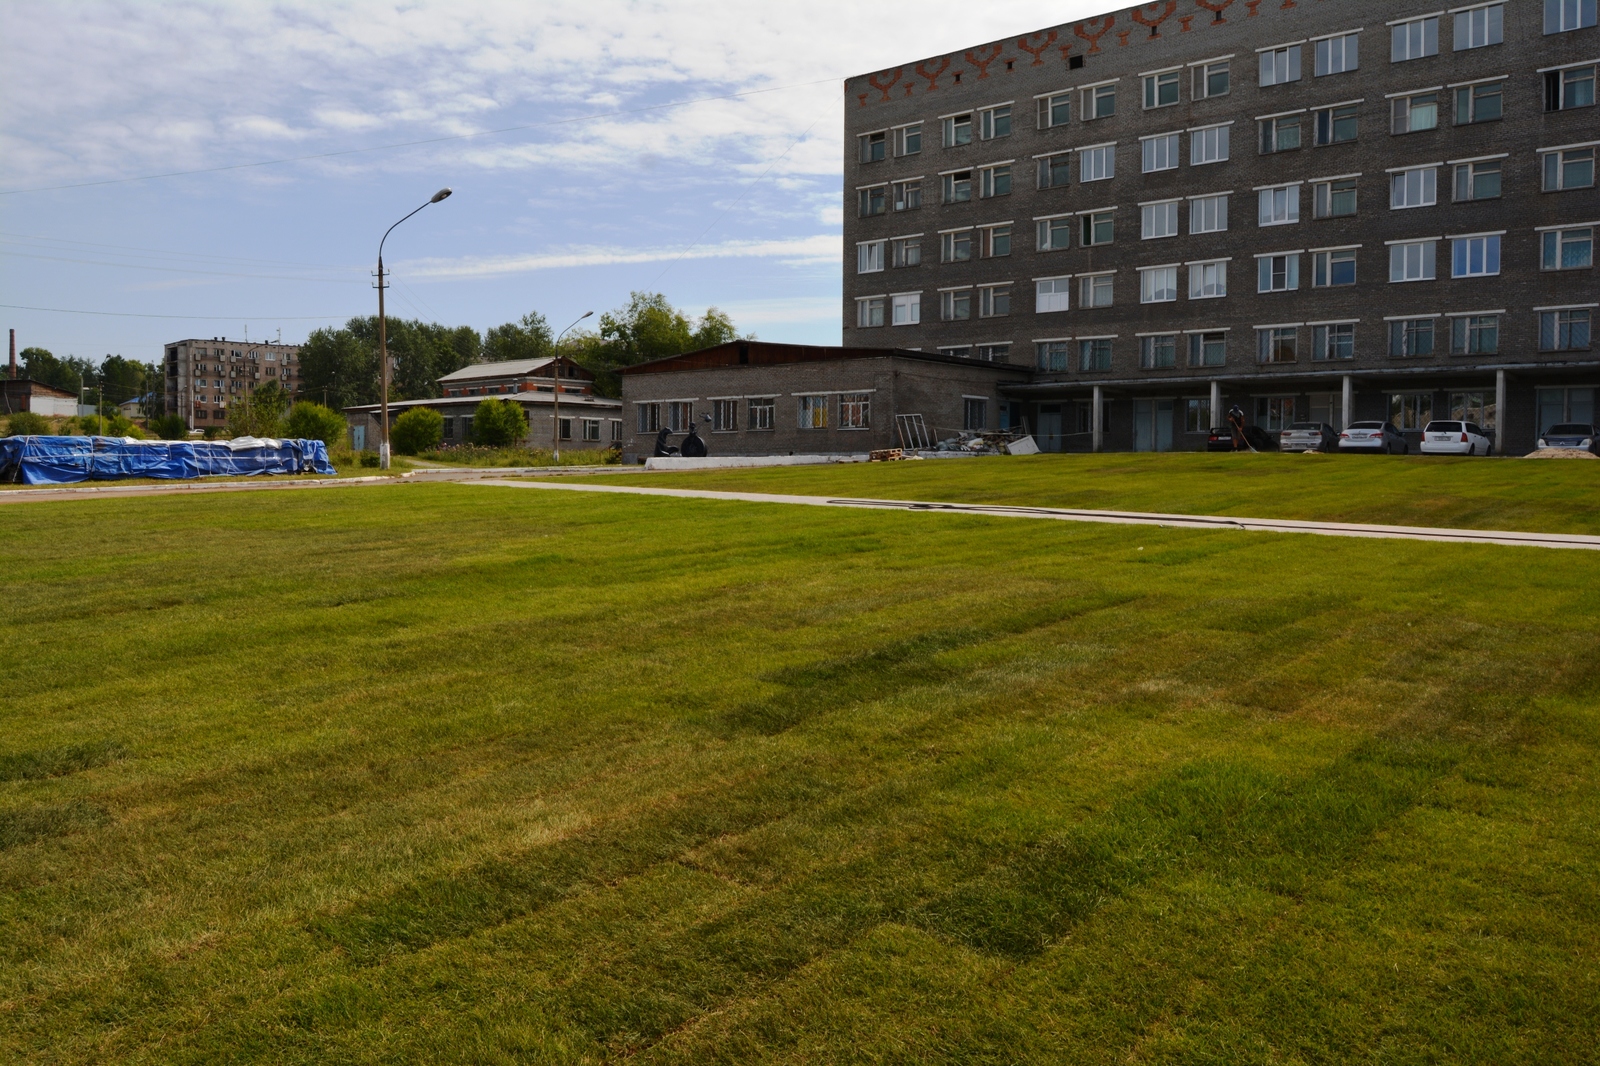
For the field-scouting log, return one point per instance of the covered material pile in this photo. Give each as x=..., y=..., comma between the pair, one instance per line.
x=63, y=460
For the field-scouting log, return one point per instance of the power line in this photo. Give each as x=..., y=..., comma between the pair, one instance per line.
x=178, y=270
x=414, y=144
x=192, y=318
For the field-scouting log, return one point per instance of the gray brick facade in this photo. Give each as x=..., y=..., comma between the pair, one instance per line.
x=1163, y=51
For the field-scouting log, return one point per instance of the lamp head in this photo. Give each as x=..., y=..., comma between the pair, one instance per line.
x=585, y=315
x=442, y=194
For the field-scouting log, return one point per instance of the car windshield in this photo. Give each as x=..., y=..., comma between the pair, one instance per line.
x=1443, y=427
x=1570, y=429
x=1366, y=425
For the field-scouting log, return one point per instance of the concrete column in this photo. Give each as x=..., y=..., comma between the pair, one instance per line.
x=1346, y=401
x=1216, y=404
x=1095, y=420
x=1500, y=412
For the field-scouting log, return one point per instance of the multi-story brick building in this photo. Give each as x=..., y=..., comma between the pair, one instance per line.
x=205, y=376
x=1316, y=209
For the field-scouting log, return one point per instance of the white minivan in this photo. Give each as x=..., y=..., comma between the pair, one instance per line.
x=1455, y=438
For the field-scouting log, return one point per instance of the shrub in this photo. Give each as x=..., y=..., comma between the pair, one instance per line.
x=419, y=430
x=170, y=427
x=369, y=458
x=312, y=421
x=498, y=423
x=28, y=424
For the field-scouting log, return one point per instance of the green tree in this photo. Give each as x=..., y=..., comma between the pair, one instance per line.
x=169, y=427
x=418, y=430
x=28, y=424
x=714, y=328
x=529, y=338
x=341, y=365
x=69, y=373
x=120, y=380
x=499, y=423
x=259, y=413
x=647, y=328
x=338, y=367
x=312, y=421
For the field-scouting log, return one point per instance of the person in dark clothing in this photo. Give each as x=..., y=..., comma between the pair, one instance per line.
x=1236, y=423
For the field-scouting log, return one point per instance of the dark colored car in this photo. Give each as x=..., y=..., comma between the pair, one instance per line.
x=1376, y=437
x=1220, y=439
x=1580, y=435
x=1308, y=437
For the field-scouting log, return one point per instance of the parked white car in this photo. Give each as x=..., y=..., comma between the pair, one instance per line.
x=1379, y=437
x=1455, y=438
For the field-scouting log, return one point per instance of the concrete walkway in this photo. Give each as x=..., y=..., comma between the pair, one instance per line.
x=1140, y=518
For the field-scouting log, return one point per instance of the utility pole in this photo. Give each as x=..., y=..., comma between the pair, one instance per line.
x=383, y=341
x=555, y=409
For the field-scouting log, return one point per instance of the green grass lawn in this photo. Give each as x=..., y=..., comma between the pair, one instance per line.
x=1536, y=495
x=462, y=774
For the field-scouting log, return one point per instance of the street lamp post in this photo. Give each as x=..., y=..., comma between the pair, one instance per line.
x=383, y=340
x=555, y=410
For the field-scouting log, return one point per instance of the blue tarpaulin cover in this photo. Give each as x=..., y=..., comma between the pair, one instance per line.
x=62, y=460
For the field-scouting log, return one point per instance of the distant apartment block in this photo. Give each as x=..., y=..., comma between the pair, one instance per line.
x=1315, y=210
x=205, y=377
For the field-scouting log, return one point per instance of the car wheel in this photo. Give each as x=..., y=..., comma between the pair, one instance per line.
x=1472, y=449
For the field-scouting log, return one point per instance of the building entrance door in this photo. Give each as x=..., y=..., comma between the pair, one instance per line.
x=1049, y=436
x=1152, y=425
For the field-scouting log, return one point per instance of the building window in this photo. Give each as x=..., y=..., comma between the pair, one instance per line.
x=1417, y=187
x=1334, y=340
x=1478, y=103
x=994, y=122
x=1054, y=233
x=1208, y=214
x=1563, y=15
x=1275, y=412
x=957, y=130
x=1475, y=257
x=1159, y=152
x=955, y=247
x=1475, y=335
x=1208, y=280
x=1158, y=284
x=760, y=413
x=996, y=241
x=1051, y=355
x=974, y=414
x=873, y=200
x=1280, y=65
x=1566, y=89
x=1052, y=294
x=854, y=409
x=1094, y=290
x=994, y=181
x=995, y=353
x=1097, y=164
x=1209, y=145
x=1211, y=79
x=906, y=308
x=1568, y=249
x=1281, y=134
x=1094, y=354
x=1098, y=227
x=869, y=256
x=591, y=429
x=1412, y=260
x=994, y=301
x=1471, y=407
x=1411, y=410
x=1197, y=416
x=1099, y=101
x=1333, y=268
x=1055, y=171
x=1278, y=273
x=1335, y=125
x=813, y=412
x=1208, y=349
x=957, y=186
x=1412, y=114
x=680, y=415
x=1280, y=206
x=1338, y=55
x=1414, y=39
x=1564, y=331
x=1158, y=353
x=906, y=251
x=959, y=351
x=907, y=195
x=1478, y=181
x=1572, y=168
x=1480, y=27
x=1160, y=90
x=873, y=146
x=1279, y=344
x=649, y=419
x=1158, y=220
x=1334, y=199
x=869, y=312
x=908, y=139
x=616, y=429
x=1564, y=405
x=1054, y=110
x=1411, y=337
x=955, y=305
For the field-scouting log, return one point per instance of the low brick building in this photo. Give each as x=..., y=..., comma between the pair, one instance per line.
x=756, y=398
x=25, y=394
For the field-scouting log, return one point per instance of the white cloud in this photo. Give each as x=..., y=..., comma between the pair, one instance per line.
x=796, y=251
x=782, y=311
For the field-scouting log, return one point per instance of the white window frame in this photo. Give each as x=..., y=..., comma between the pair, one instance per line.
x=1208, y=274
x=1426, y=259
x=1200, y=77
x=899, y=135
x=1268, y=200
x=1099, y=153
x=1044, y=109
x=1167, y=216
x=1569, y=15
x=1043, y=230
x=1149, y=293
x=1160, y=151
x=1157, y=80
x=864, y=308
x=1291, y=271
x=1419, y=40
x=1559, y=154
x=1414, y=186
x=1292, y=63
x=1209, y=144
x=1220, y=214
x=869, y=253
x=1490, y=243
x=1348, y=58
x=910, y=303
x=1091, y=93
x=1091, y=283
x=1058, y=297
x=1493, y=26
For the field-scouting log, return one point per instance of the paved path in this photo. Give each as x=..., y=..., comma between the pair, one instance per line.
x=1141, y=518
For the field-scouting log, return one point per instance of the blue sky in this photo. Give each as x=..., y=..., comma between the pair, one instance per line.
x=732, y=201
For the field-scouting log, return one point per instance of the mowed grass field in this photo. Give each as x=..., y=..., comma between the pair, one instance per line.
x=1536, y=495
x=464, y=774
